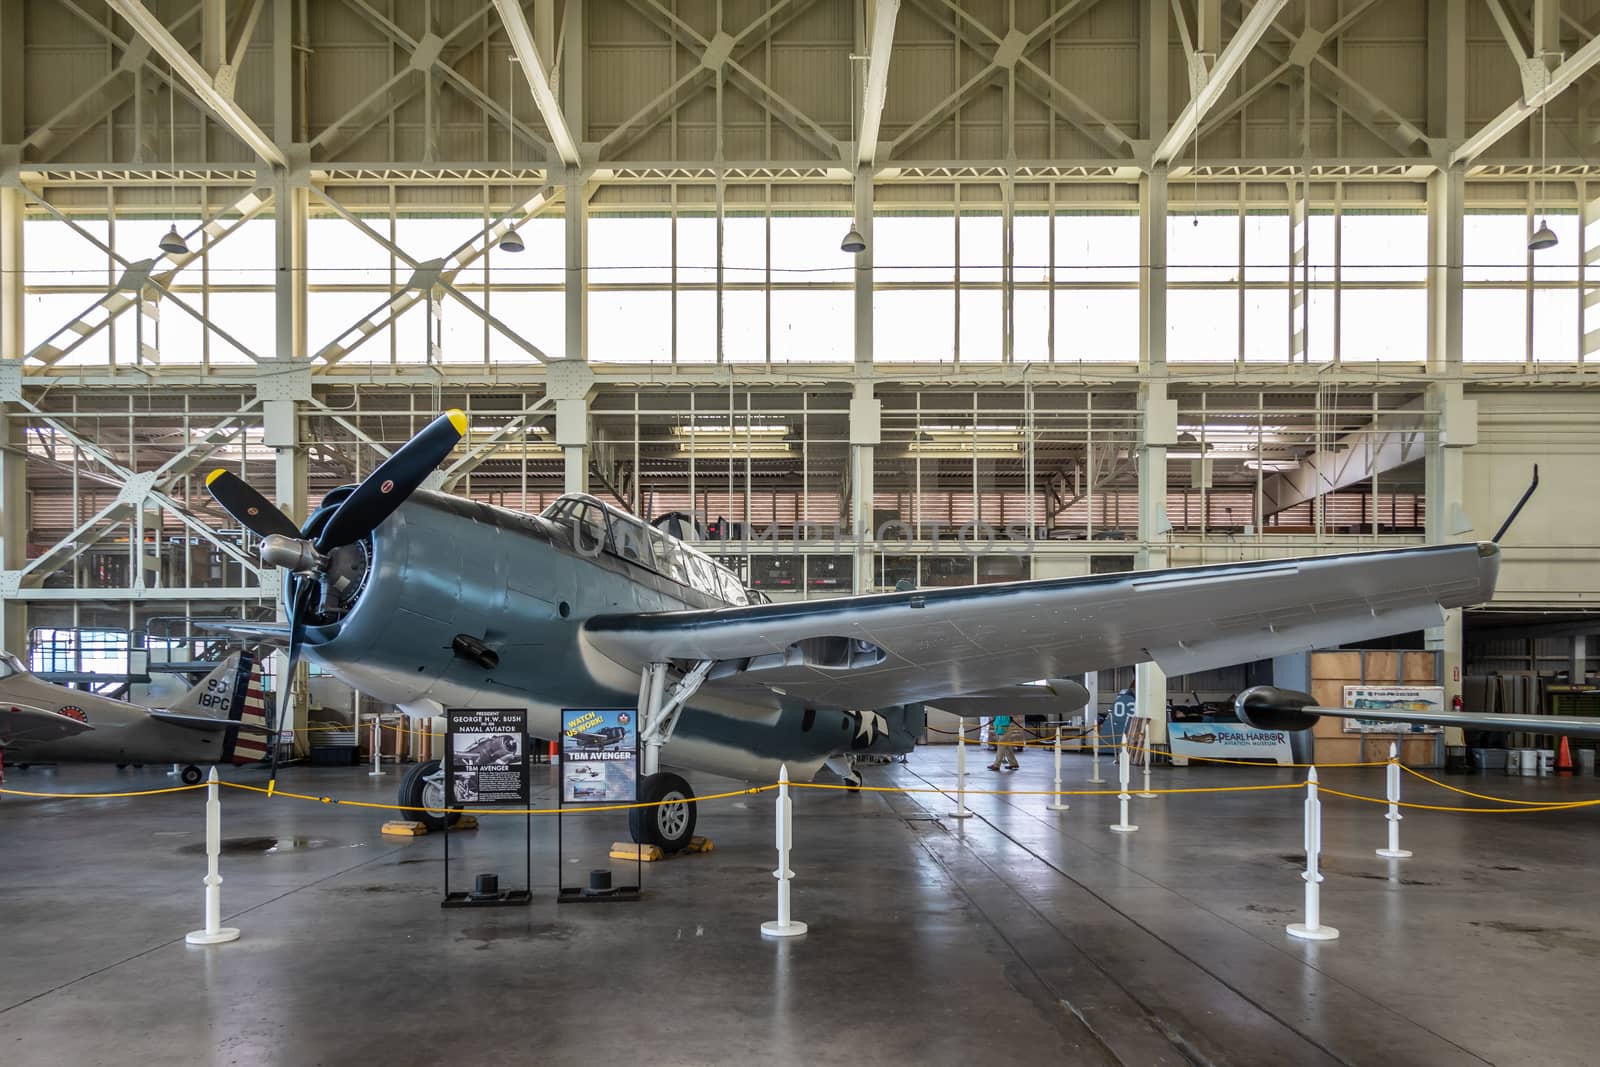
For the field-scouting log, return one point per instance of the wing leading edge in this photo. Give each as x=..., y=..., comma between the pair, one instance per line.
x=883, y=649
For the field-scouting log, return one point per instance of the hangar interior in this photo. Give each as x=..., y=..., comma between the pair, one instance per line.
x=1140, y=284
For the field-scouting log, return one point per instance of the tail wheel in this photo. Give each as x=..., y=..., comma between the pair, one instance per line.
x=670, y=824
x=423, y=787
x=191, y=775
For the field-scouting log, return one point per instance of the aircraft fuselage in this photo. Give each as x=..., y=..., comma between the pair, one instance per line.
x=442, y=567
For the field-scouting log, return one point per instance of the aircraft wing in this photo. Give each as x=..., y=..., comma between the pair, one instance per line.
x=1058, y=697
x=273, y=635
x=205, y=722
x=884, y=649
x=1529, y=724
x=20, y=724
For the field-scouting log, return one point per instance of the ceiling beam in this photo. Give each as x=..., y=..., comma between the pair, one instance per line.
x=879, y=47
x=533, y=68
x=1557, y=82
x=1215, y=82
x=233, y=116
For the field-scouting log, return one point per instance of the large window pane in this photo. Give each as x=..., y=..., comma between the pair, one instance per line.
x=697, y=327
x=630, y=249
x=1266, y=324
x=1555, y=325
x=981, y=327
x=914, y=248
x=1030, y=326
x=1096, y=248
x=812, y=326
x=805, y=250
x=1097, y=325
x=629, y=326
x=1495, y=246
x=1202, y=324
x=914, y=324
x=1494, y=325
x=1383, y=324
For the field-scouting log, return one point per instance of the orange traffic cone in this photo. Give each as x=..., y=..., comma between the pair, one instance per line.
x=1564, y=759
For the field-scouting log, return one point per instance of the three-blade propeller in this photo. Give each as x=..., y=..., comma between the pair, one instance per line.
x=357, y=515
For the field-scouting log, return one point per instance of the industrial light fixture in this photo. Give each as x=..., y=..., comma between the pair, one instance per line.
x=853, y=242
x=172, y=242
x=1544, y=237
x=509, y=241
x=726, y=429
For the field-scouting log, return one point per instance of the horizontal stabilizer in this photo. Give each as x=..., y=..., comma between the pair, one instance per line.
x=205, y=722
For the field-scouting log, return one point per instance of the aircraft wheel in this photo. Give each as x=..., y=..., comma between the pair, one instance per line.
x=122, y=766
x=191, y=775
x=670, y=824
x=417, y=792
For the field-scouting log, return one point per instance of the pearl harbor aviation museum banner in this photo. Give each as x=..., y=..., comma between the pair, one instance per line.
x=487, y=753
x=599, y=756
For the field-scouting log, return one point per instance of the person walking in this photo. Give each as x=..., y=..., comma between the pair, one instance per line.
x=1007, y=756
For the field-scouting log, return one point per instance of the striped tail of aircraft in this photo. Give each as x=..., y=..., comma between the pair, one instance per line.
x=251, y=746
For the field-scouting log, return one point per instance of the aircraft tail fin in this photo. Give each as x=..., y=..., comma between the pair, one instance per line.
x=251, y=747
x=218, y=694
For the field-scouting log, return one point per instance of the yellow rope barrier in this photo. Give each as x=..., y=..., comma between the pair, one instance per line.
x=104, y=796
x=1470, y=793
x=1562, y=806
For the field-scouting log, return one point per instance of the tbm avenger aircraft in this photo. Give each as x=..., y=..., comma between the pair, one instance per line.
x=219, y=720
x=430, y=601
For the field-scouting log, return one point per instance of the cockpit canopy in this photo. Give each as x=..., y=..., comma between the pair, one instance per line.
x=626, y=537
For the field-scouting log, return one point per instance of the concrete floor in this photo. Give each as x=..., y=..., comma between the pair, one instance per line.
x=1019, y=934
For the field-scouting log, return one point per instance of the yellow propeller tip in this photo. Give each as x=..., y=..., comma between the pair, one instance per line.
x=458, y=419
x=214, y=475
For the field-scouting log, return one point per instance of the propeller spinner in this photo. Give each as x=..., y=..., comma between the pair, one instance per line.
x=360, y=513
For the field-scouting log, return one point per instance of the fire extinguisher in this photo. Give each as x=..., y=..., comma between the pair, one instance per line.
x=1455, y=704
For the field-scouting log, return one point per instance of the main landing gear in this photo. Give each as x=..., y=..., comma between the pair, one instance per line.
x=670, y=824
x=423, y=787
x=191, y=775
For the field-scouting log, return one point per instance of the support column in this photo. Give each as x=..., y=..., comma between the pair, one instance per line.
x=13, y=445
x=863, y=291
x=291, y=204
x=866, y=412
x=1158, y=427
x=576, y=210
x=13, y=529
x=1457, y=427
x=281, y=432
x=569, y=386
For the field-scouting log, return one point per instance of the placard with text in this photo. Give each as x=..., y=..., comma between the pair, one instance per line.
x=486, y=756
x=599, y=756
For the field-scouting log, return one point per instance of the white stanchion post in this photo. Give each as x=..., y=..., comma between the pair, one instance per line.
x=784, y=926
x=1312, y=929
x=961, y=811
x=1058, y=802
x=1094, y=734
x=1122, y=825
x=377, y=749
x=1392, y=783
x=1149, y=758
x=214, y=933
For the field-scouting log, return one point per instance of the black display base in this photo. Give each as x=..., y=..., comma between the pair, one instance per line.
x=508, y=898
x=583, y=895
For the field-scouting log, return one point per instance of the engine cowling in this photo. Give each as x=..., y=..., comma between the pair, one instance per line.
x=1267, y=707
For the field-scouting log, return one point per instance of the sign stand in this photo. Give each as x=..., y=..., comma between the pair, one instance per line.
x=486, y=763
x=599, y=765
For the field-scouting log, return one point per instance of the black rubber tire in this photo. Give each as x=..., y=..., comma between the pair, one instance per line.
x=191, y=775
x=669, y=826
x=122, y=766
x=411, y=787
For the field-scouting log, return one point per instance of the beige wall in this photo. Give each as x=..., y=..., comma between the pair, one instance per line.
x=1552, y=554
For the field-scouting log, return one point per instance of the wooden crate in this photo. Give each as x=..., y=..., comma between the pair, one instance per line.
x=1332, y=671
